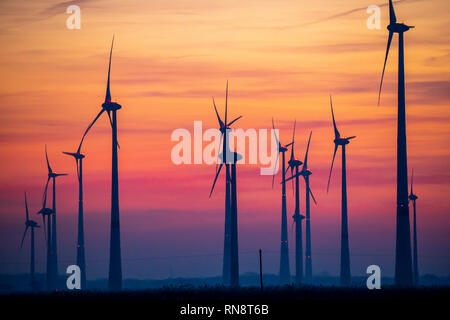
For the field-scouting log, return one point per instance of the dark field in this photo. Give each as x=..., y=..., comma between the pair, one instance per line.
x=283, y=302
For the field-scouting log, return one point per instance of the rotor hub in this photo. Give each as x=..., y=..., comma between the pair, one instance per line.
x=398, y=27
x=341, y=141
x=111, y=106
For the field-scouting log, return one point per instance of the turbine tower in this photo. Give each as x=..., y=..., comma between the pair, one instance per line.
x=54, y=257
x=225, y=158
x=345, y=277
x=294, y=164
x=30, y=224
x=412, y=197
x=81, y=260
x=403, y=270
x=305, y=172
x=115, y=261
x=234, y=254
x=285, y=273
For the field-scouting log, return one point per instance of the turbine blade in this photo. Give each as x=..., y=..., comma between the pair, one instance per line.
x=234, y=120
x=88, y=128
x=412, y=180
x=108, y=92
x=111, y=123
x=312, y=196
x=336, y=131
x=43, y=222
x=226, y=104
x=292, y=173
x=78, y=169
x=278, y=152
x=23, y=238
x=275, y=168
x=69, y=153
x=217, y=114
x=293, y=135
x=218, y=151
x=275, y=134
x=26, y=206
x=109, y=116
x=60, y=174
x=273, y=180
x=384, y=66
x=292, y=177
x=305, y=163
x=46, y=158
x=44, y=196
x=331, y=169
x=392, y=17
x=215, y=179
x=228, y=175
x=293, y=142
x=350, y=138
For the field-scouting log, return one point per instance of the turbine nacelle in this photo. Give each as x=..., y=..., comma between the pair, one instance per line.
x=45, y=211
x=76, y=155
x=294, y=163
x=111, y=106
x=343, y=141
x=54, y=175
x=305, y=173
x=32, y=224
x=298, y=217
x=413, y=197
x=398, y=27
x=232, y=157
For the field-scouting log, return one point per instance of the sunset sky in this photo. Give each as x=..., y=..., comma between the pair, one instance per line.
x=282, y=59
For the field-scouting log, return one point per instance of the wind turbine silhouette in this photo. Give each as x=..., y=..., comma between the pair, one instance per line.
x=305, y=172
x=285, y=273
x=54, y=256
x=115, y=261
x=47, y=212
x=412, y=197
x=345, y=277
x=403, y=271
x=30, y=224
x=81, y=260
x=294, y=164
x=226, y=158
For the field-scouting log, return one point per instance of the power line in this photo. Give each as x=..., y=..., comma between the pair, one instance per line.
x=219, y=255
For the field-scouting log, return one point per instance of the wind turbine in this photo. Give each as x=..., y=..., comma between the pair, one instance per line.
x=81, y=260
x=54, y=257
x=305, y=172
x=294, y=164
x=115, y=261
x=285, y=273
x=345, y=277
x=30, y=224
x=412, y=197
x=226, y=158
x=403, y=270
x=47, y=212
